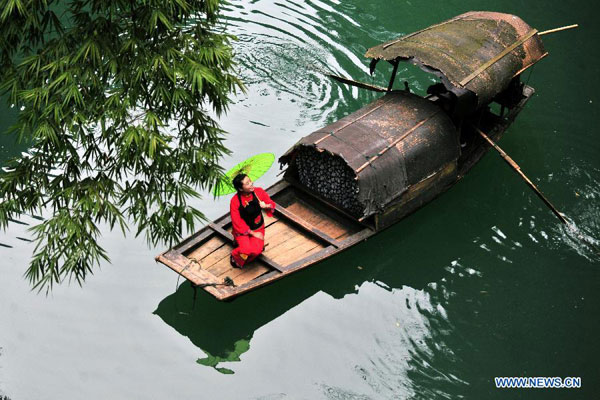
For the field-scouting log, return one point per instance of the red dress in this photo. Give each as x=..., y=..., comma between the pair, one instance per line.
x=248, y=246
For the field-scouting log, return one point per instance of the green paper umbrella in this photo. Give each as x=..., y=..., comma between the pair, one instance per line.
x=254, y=167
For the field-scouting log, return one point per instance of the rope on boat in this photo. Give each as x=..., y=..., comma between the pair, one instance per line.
x=226, y=282
x=529, y=76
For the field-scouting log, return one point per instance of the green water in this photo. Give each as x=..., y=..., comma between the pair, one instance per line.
x=482, y=282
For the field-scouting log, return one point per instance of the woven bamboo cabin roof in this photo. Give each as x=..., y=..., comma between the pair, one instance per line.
x=480, y=51
x=390, y=144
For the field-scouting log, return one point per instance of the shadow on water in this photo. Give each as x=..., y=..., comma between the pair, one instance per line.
x=223, y=330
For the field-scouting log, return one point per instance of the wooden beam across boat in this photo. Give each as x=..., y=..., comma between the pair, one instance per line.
x=230, y=238
x=305, y=225
x=316, y=196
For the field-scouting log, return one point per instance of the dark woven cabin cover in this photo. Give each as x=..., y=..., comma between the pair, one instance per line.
x=407, y=138
x=464, y=45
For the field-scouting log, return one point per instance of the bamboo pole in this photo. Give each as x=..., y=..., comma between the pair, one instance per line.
x=358, y=84
x=570, y=226
x=395, y=142
x=516, y=167
x=391, y=84
x=562, y=28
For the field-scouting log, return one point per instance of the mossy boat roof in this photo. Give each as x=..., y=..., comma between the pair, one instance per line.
x=480, y=51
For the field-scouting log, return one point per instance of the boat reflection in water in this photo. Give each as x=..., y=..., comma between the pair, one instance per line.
x=224, y=330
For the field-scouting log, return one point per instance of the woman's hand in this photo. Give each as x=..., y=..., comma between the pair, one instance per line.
x=257, y=235
x=264, y=205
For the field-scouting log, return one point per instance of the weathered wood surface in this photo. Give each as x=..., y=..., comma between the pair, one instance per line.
x=213, y=258
x=181, y=264
x=311, y=229
x=208, y=247
x=277, y=238
x=229, y=237
x=318, y=219
x=254, y=270
x=297, y=247
x=193, y=240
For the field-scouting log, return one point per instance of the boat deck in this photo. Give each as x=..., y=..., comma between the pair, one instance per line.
x=302, y=232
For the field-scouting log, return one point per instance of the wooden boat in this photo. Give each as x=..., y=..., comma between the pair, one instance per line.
x=402, y=150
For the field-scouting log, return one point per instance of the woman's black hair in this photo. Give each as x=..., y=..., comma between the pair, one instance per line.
x=237, y=181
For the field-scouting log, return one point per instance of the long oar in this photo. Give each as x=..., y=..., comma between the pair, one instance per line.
x=560, y=216
x=516, y=167
x=358, y=84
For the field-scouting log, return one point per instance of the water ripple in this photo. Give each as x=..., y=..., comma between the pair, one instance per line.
x=410, y=346
x=288, y=47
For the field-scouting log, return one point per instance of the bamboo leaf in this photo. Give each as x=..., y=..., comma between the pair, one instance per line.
x=103, y=100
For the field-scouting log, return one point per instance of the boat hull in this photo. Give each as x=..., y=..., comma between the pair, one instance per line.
x=306, y=229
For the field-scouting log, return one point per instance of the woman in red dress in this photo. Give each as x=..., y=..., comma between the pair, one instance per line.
x=248, y=223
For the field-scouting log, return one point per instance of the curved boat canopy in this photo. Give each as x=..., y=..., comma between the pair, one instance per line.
x=479, y=51
x=389, y=145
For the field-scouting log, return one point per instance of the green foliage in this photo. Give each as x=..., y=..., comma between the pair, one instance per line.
x=116, y=99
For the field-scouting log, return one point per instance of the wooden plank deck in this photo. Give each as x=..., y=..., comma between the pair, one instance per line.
x=300, y=233
x=309, y=228
x=313, y=216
